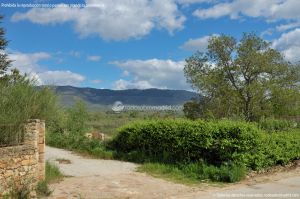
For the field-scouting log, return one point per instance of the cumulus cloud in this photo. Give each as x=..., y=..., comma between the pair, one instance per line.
x=269, y=9
x=60, y=78
x=197, y=44
x=124, y=84
x=289, y=44
x=152, y=73
x=29, y=63
x=94, y=58
x=111, y=19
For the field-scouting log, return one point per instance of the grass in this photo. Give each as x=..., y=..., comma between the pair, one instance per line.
x=80, y=144
x=194, y=173
x=53, y=174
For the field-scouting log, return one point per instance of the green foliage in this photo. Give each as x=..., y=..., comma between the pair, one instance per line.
x=79, y=143
x=278, y=148
x=53, y=173
x=246, y=78
x=43, y=189
x=77, y=118
x=275, y=125
x=194, y=172
x=215, y=142
x=192, y=110
x=173, y=141
x=21, y=101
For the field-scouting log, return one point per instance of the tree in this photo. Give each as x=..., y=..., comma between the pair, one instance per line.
x=5, y=63
x=193, y=109
x=243, y=78
x=77, y=118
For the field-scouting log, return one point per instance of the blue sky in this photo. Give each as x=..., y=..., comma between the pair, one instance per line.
x=121, y=44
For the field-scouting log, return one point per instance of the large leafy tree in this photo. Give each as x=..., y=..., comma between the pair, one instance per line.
x=246, y=78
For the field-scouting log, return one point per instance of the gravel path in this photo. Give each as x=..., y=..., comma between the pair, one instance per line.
x=95, y=179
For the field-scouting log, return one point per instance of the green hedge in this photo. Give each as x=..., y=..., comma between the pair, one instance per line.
x=215, y=142
x=174, y=141
x=278, y=148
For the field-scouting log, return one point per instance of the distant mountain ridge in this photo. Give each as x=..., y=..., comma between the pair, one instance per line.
x=105, y=97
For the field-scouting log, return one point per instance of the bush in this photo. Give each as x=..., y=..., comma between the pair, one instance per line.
x=80, y=143
x=275, y=125
x=278, y=148
x=20, y=101
x=77, y=117
x=172, y=141
x=43, y=189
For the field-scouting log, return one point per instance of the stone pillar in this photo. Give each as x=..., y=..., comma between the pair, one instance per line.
x=41, y=150
x=31, y=134
x=31, y=140
x=35, y=137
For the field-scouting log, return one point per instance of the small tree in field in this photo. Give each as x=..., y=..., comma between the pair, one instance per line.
x=246, y=78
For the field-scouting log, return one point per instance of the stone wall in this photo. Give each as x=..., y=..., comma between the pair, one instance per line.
x=22, y=166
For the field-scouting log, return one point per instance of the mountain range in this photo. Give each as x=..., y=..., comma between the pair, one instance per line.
x=106, y=97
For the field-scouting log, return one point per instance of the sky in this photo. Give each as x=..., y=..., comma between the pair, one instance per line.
x=124, y=44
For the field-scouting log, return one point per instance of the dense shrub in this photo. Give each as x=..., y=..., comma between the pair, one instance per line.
x=80, y=143
x=275, y=125
x=21, y=100
x=173, y=141
x=278, y=148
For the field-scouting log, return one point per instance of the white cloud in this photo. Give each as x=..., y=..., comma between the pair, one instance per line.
x=29, y=64
x=94, y=58
x=288, y=26
x=123, y=84
x=197, y=44
x=60, y=78
x=152, y=73
x=112, y=19
x=269, y=9
x=289, y=44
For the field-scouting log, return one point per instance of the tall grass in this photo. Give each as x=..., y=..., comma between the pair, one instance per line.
x=22, y=100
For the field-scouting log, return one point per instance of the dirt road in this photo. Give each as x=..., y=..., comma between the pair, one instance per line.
x=94, y=178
